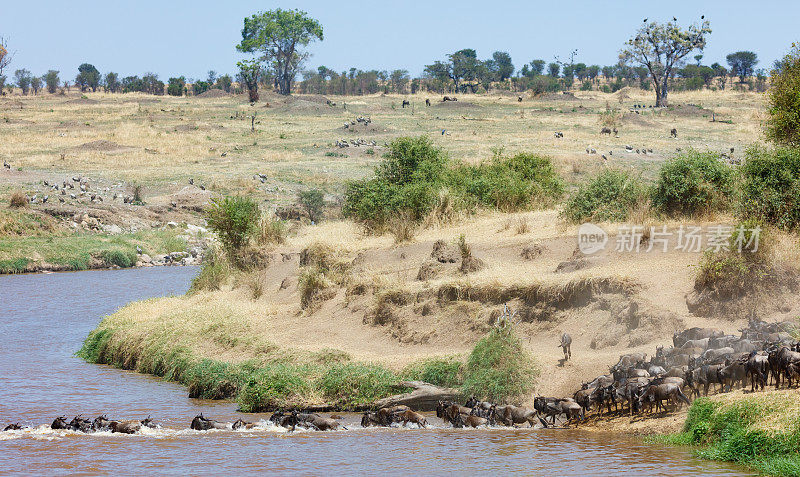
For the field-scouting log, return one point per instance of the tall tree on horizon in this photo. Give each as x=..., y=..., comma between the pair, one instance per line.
x=660, y=47
x=279, y=37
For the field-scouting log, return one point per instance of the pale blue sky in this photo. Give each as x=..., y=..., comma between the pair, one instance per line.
x=190, y=37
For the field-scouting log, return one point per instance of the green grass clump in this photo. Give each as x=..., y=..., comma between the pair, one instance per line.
x=609, y=196
x=119, y=257
x=275, y=386
x=214, y=272
x=445, y=371
x=693, y=183
x=14, y=265
x=499, y=369
x=349, y=385
x=730, y=432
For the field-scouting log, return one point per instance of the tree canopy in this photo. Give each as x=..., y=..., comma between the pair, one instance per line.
x=660, y=47
x=279, y=37
x=742, y=63
x=88, y=77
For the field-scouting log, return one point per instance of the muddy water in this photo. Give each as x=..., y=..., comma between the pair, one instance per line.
x=44, y=318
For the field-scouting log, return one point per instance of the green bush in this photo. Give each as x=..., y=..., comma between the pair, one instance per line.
x=510, y=183
x=414, y=174
x=353, y=384
x=445, y=372
x=313, y=202
x=771, y=181
x=234, y=219
x=275, y=386
x=783, y=126
x=119, y=257
x=693, y=183
x=608, y=196
x=499, y=369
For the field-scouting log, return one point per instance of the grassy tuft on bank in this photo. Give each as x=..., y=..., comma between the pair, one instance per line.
x=84, y=251
x=760, y=430
x=213, y=347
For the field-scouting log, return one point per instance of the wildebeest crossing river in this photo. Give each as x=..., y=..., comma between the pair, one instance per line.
x=46, y=317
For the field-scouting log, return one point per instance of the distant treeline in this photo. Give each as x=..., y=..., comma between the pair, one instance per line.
x=462, y=72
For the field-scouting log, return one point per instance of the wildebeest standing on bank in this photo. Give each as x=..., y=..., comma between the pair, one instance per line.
x=566, y=343
x=406, y=103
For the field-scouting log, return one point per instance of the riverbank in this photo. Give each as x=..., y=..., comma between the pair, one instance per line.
x=760, y=430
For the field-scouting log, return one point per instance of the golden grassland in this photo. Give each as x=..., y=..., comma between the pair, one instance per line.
x=163, y=141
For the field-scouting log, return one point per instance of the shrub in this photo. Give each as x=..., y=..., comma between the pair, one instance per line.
x=234, y=220
x=445, y=371
x=499, y=369
x=783, y=125
x=313, y=202
x=771, y=181
x=416, y=180
x=18, y=200
x=119, y=257
x=608, y=196
x=730, y=273
x=274, y=386
x=352, y=384
x=511, y=183
x=692, y=183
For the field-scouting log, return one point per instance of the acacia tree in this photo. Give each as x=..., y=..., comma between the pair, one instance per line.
x=660, y=47
x=249, y=75
x=23, y=78
x=51, y=80
x=742, y=64
x=88, y=77
x=279, y=36
x=5, y=55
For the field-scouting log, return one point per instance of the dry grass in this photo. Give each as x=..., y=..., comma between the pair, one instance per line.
x=18, y=200
x=174, y=139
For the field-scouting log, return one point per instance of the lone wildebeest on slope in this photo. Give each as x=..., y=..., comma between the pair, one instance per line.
x=406, y=103
x=566, y=344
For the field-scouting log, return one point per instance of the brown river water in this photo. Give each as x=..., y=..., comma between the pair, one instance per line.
x=44, y=319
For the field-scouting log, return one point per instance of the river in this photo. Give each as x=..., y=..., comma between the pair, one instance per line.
x=45, y=317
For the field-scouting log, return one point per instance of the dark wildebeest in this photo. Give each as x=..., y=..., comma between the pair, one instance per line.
x=566, y=343
x=448, y=98
x=387, y=415
x=12, y=427
x=317, y=422
x=605, y=131
x=101, y=423
x=126, y=427
x=427, y=102
x=80, y=424
x=406, y=103
x=200, y=423
x=757, y=368
x=673, y=132
x=519, y=99
x=60, y=423
x=660, y=392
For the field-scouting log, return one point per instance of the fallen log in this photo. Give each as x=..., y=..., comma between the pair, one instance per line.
x=424, y=396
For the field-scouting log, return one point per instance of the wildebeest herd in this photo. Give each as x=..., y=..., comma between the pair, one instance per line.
x=699, y=359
